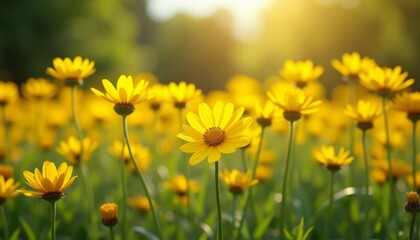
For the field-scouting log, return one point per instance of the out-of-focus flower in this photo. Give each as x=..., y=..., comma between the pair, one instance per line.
x=411, y=182
x=140, y=203
x=8, y=188
x=333, y=161
x=294, y=103
x=71, y=149
x=412, y=204
x=264, y=173
x=385, y=81
x=71, y=72
x=183, y=93
x=214, y=132
x=6, y=171
x=8, y=93
x=58, y=115
x=48, y=139
x=242, y=84
x=179, y=185
x=409, y=103
x=266, y=113
x=39, y=89
x=126, y=95
x=397, y=139
x=238, y=181
x=109, y=212
x=301, y=72
x=379, y=172
x=161, y=95
x=141, y=153
x=352, y=65
x=363, y=114
x=50, y=183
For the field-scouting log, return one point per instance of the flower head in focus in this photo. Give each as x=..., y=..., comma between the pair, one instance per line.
x=72, y=72
x=109, y=212
x=363, y=114
x=333, y=161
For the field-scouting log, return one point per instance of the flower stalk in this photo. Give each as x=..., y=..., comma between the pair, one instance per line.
x=366, y=198
x=219, y=209
x=53, y=214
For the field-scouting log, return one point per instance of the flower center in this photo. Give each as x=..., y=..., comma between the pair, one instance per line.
x=214, y=136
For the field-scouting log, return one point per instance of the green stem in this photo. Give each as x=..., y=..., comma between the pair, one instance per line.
x=330, y=208
x=284, y=189
x=76, y=119
x=143, y=183
x=257, y=155
x=5, y=222
x=90, y=199
x=111, y=229
x=367, y=207
x=219, y=209
x=233, y=212
x=124, y=196
x=53, y=214
x=241, y=223
x=388, y=155
x=243, y=156
x=351, y=91
x=412, y=224
x=414, y=161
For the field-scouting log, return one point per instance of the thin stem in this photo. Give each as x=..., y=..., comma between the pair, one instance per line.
x=257, y=155
x=351, y=92
x=219, y=209
x=53, y=214
x=330, y=207
x=367, y=207
x=412, y=224
x=235, y=198
x=244, y=161
x=284, y=189
x=76, y=119
x=388, y=155
x=90, y=199
x=5, y=222
x=111, y=229
x=124, y=196
x=143, y=183
x=414, y=161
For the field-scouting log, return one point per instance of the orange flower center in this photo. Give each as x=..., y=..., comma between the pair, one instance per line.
x=214, y=136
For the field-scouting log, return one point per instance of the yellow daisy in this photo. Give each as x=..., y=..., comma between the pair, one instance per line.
x=109, y=212
x=182, y=93
x=39, y=89
x=294, y=103
x=327, y=156
x=409, y=103
x=8, y=92
x=352, y=65
x=179, y=185
x=214, y=132
x=266, y=113
x=238, y=181
x=72, y=72
x=7, y=188
x=363, y=114
x=385, y=81
x=6, y=171
x=140, y=203
x=50, y=183
x=301, y=72
x=71, y=149
x=125, y=95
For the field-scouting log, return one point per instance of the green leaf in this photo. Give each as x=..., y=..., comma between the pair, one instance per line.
x=145, y=233
x=15, y=235
x=262, y=227
x=28, y=230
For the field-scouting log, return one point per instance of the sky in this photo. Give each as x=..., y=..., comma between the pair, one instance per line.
x=245, y=13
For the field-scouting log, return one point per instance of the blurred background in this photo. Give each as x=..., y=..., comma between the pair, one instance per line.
x=205, y=42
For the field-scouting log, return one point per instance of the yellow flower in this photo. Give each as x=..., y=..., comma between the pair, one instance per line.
x=109, y=212
x=71, y=149
x=7, y=188
x=412, y=204
x=161, y=95
x=238, y=181
x=6, y=171
x=140, y=203
x=8, y=92
x=142, y=155
x=352, y=65
x=179, y=185
x=214, y=132
x=39, y=89
x=266, y=113
x=380, y=170
x=126, y=95
x=409, y=103
x=364, y=114
x=301, y=72
x=294, y=103
x=385, y=81
x=264, y=173
x=182, y=93
x=410, y=181
x=71, y=72
x=242, y=84
x=332, y=161
x=50, y=183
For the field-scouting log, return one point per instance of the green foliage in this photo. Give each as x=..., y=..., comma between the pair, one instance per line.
x=298, y=233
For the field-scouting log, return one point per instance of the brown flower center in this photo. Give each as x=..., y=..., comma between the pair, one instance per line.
x=214, y=136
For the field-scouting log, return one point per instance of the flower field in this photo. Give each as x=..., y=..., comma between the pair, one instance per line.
x=283, y=158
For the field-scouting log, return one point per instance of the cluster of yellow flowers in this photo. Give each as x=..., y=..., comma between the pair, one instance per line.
x=212, y=124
